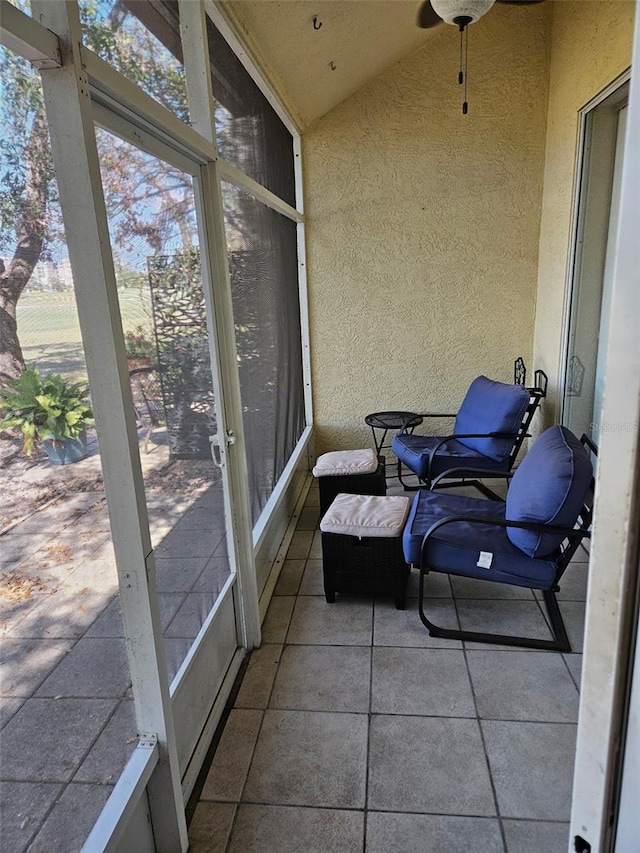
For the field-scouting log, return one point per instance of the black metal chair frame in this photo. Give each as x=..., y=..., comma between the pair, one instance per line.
x=573, y=538
x=519, y=371
x=536, y=394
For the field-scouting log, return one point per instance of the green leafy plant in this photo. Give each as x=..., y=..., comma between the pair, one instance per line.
x=139, y=343
x=48, y=408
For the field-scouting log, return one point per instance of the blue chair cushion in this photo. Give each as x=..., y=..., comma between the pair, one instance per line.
x=414, y=452
x=455, y=548
x=549, y=487
x=491, y=406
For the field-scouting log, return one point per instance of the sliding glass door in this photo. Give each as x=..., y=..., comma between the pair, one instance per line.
x=589, y=320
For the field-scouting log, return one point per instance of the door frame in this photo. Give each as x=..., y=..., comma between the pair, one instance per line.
x=578, y=221
x=232, y=609
x=611, y=606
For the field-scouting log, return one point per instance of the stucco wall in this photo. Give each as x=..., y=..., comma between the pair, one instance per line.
x=590, y=47
x=423, y=226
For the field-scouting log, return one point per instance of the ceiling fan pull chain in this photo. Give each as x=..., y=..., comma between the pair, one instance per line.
x=461, y=72
x=465, y=104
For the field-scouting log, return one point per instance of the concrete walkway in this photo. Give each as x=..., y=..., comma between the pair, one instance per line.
x=67, y=715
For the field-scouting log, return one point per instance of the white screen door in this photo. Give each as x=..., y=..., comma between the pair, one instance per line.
x=151, y=196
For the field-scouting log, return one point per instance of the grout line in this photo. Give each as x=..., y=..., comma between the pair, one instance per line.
x=486, y=755
x=571, y=675
x=369, y=721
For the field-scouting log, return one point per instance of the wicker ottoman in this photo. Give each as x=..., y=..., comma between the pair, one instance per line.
x=362, y=547
x=353, y=472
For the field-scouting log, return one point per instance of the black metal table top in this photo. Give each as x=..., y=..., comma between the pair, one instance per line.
x=392, y=420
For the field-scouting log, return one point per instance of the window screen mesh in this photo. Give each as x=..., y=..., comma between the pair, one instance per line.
x=249, y=133
x=141, y=38
x=264, y=282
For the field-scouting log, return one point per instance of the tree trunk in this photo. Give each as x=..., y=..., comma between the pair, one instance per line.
x=30, y=232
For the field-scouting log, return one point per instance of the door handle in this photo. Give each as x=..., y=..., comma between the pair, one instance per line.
x=214, y=440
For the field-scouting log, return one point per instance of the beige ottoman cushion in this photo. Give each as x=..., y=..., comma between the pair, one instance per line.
x=340, y=462
x=366, y=515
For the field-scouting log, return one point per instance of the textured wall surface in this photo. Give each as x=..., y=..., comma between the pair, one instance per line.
x=423, y=226
x=584, y=59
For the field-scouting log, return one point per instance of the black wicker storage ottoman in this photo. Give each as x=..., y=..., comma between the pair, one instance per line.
x=362, y=546
x=353, y=472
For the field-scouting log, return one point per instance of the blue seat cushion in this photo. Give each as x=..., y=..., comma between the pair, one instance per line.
x=549, y=487
x=455, y=548
x=491, y=406
x=414, y=452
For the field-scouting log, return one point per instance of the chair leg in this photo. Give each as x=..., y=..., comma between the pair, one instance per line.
x=559, y=643
x=406, y=486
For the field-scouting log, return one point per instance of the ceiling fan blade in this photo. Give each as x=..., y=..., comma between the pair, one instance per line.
x=427, y=16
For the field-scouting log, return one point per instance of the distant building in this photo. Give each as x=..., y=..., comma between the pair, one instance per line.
x=49, y=276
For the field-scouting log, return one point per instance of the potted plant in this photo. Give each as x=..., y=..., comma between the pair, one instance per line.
x=50, y=412
x=140, y=346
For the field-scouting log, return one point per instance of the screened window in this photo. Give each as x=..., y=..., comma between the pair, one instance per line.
x=141, y=39
x=249, y=132
x=264, y=281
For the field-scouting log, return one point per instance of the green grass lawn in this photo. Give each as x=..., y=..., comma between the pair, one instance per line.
x=49, y=330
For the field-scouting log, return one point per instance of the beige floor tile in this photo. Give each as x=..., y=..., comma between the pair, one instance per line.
x=230, y=765
x=346, y=622
x=425, y=682
x=257, y=683
x=432, y=833
x=210, y=827
x=323, y=678
x=307, y=758
x=428, y=764
x=532, y=768
x=285, y=829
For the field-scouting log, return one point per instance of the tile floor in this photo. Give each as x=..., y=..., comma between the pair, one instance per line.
x=353, y=730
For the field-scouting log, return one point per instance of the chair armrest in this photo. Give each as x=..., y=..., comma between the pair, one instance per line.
x=426, y=415
x=447, y=438
x=540, y=382
x=476, y=472
x=568, y=532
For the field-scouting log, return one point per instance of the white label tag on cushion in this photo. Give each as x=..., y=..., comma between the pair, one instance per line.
x=484, y=560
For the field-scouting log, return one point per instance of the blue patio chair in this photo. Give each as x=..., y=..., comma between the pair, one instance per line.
x=488, y=432
x=526, y=541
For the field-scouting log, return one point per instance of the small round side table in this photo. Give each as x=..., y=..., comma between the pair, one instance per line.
x=390, y=420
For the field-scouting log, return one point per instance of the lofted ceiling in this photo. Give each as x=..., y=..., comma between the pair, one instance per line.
x=317, y=67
